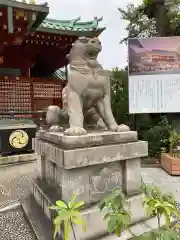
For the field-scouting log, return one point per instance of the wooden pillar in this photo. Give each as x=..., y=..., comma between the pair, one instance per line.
x=32, y=93
x=27, y=72
x=10, y=19
x=61, y=102
x=66, y=72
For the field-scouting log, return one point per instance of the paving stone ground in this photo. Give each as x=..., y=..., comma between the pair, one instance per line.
x=14, y=184
x=13, y=226
x=163, y=180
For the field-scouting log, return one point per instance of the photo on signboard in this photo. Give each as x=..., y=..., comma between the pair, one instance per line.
x=154, y=56
x=154, y=75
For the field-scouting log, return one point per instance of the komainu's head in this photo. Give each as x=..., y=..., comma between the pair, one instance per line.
x=85, y=48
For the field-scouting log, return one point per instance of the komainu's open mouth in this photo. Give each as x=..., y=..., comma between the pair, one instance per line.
x=92, y=54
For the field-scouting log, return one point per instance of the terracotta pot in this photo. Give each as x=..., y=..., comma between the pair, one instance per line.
x=170, y=164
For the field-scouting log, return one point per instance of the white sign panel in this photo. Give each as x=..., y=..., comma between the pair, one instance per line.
x=154, y=75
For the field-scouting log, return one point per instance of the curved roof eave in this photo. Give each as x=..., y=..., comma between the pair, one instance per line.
x=89, y=32
x=71, y=27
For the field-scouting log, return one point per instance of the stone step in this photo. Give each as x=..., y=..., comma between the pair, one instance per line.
x=48, y=190
x=14, y=224
x=138, y=229
x=40, y=224
x=43, y=227
x=18, y=158
x=45, y=196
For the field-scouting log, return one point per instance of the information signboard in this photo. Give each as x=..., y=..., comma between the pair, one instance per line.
x=154, y=75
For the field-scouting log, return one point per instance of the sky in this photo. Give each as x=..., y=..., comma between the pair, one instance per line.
x=113, y=54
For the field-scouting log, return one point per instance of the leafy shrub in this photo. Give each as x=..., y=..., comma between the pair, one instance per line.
x=68, y=214
x=150, y=128
x=119, y=95
x=173, y=141
x=157, y=137
x=118, y=215
x=119, y=218
x=157, y=205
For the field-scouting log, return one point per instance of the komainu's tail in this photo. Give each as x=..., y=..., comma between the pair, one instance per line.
x=53, y=115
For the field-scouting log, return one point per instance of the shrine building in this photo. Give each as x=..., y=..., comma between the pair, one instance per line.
x=33, y=49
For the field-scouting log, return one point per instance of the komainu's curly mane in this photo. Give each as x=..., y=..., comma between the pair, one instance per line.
x=83, y=56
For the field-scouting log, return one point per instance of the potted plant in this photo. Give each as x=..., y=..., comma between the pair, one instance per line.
x=170, y=161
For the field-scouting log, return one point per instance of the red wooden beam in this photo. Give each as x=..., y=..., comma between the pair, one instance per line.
x=32, y=93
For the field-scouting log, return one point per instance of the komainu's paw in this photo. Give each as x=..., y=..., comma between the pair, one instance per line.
x=121, y=128
x=55, y=128
x=75, y=131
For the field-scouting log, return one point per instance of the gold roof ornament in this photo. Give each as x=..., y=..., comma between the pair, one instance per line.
x=32, y=2
x=45, y=4
x=20, y=13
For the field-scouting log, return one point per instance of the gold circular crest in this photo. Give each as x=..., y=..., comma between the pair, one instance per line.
x=18, y=139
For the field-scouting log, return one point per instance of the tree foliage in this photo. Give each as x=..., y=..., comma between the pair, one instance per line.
x=120, y=105
x=157, y=137
x=150, y=18
x=139, y=24
x=119, y=95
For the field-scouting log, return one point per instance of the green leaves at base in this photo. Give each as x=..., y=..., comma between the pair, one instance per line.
x=118, y=222
x=118, y=216
x=158, y=204
x=69, y=214
x=158, y=235
x=167, y=235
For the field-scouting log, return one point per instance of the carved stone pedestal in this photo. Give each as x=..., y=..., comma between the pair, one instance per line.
x=93, y=165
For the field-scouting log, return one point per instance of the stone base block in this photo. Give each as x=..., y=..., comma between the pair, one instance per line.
x=93, y=138
x=92, y=183
x=92, y=170
x=83, y=157
x=96, y=227
x=138, y=229
x=46, y=196
x=92, y=165
x=17, y=158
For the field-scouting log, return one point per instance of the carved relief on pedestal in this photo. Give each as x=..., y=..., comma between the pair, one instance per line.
x=106, y=180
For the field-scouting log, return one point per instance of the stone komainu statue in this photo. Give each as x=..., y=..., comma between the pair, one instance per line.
x=86, y=99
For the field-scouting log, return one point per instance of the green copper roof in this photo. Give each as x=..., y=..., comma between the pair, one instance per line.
x=72, y=26
x=58, y=74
